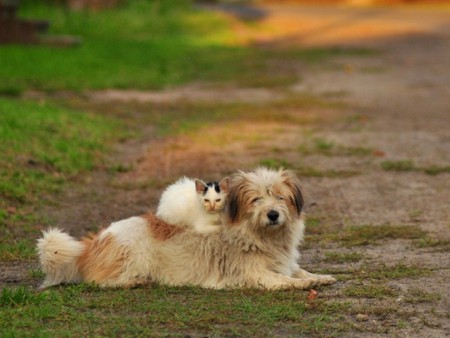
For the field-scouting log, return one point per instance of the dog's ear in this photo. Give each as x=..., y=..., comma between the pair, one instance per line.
x=294, y=185
x=234, y=200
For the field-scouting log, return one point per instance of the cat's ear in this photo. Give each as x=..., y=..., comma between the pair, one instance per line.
x=200, y=186
x=224, y=184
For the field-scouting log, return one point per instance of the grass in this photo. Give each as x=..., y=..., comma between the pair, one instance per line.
x=417, y=295
x=354, y=236
x=86, y=310
x=43, y=148
x=137, y=46
x=342, y=258
x=187, y=118
x=305, y=171
x=369, y=291
x=42, y=145
x=408, y=165
x=145, y=45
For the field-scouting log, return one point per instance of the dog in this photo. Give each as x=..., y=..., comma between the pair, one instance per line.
x=256, y=248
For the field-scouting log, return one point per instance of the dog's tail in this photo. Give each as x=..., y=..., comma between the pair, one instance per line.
x=58, y=254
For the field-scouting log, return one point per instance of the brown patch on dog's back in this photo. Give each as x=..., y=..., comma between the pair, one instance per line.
x=103, y=258
x=160, y=229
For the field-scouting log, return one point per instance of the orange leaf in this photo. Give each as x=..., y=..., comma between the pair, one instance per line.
x=312, y=294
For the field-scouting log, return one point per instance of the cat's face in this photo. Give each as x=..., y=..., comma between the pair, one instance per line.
x=212, y=195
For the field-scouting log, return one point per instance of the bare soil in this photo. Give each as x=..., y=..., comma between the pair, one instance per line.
x=397, y=105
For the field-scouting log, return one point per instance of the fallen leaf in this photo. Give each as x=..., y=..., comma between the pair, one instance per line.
x=312, y=294
x=11, y=210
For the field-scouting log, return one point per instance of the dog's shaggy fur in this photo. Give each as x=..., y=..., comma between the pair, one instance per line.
x=258, y=246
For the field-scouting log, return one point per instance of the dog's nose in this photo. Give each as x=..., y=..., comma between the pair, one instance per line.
x=273, y=215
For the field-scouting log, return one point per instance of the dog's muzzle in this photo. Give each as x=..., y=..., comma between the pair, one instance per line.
x=273, y=217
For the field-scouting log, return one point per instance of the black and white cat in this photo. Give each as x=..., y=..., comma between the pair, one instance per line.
x=194, y=204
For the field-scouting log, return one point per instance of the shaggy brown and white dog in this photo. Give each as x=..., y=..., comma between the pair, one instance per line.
x=258, y=246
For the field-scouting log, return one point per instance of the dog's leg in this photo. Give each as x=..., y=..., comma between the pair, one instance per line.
x=271, y=280
x=319, y=279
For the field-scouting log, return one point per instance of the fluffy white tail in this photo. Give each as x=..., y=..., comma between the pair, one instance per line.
x=58, y=255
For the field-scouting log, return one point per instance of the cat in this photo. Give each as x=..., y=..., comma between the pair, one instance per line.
x=194, y=204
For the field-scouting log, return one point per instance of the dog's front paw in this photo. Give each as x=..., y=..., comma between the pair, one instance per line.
x=326, y=279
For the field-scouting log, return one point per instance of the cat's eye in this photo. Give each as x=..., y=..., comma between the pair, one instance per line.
x=280, y=198
x=207, y=200
x=218, y=200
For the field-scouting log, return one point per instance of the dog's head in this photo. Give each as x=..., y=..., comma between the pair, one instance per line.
x=265, y=198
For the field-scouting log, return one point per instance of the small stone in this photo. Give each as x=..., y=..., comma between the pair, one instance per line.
x=362, y=317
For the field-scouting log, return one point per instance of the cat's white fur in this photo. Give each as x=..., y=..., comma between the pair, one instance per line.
x=183, y=204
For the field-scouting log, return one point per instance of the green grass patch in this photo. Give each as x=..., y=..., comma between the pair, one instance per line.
x=378, y=272
x=146, y=45
x=403, y=165
x=85, y=310
x=20, y=296
x=370, y=234
x=42, y=145
x=43, y=148
x=408, y=165
x=274, y=163
x=17, y=248
x=397, y=271
x=320, y=54
x=342, y=258
x=305, y=171
x=325, y=147
x=433, y=243
x=138, y=45
x=351, y=236
x=416, y=295
x=187, y=118
x=370, y=291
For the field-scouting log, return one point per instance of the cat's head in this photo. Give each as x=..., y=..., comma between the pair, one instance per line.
x=212, y=195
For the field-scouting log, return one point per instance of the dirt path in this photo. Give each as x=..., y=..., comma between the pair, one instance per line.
x=397, y=115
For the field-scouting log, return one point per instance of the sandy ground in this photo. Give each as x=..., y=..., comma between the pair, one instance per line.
x=397, y=103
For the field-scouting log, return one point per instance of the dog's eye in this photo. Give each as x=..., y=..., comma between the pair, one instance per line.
x=207, y=200
x=280, y=198
x=256, y=199
x=218, y=200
